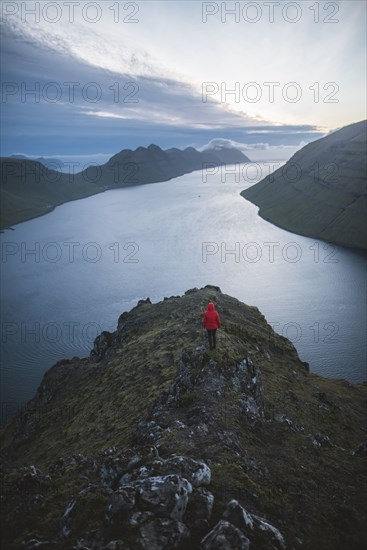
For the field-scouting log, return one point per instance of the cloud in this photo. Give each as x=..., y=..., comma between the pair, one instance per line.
x=229, y=143
x=257, y=152
x=105, y=114
x=59, y=104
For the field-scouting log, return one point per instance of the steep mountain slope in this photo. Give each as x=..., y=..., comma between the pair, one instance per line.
x=322, y=190
x=152, y=164
x=30, y=189
x=155, y=442
x=51, y=163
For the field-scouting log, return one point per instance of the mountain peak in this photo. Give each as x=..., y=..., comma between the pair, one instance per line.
x=153, y=147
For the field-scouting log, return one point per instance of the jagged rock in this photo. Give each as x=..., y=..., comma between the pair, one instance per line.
x=86, y=465
x=112, y=468
x=260, y=532
x=361, y=450
x=143, y=302
x=30, y=481
x=225, y=536
x=191, y=290
x=250, y=406
x=78, y=510
x=162, y=534
x=324, y=398
x=196, y=472
x=178, y=424
x=121, y=502
x=323, y=439
x=213, y=287
x=164, y=495
x=199, y=509
x=245, y=377
x=101, y=345
x=234, y=513
x=264, y=529
x=92, y=540
x=138, y=518
x=26, y=425
x=147, y=432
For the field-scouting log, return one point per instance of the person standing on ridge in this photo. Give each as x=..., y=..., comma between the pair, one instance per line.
x=211, y=321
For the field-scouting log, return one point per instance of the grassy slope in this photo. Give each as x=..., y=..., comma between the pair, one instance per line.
x=273, y=466
x=327, y=199
x=29, y=189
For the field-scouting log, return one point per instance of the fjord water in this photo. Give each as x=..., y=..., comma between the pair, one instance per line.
x=69, y=275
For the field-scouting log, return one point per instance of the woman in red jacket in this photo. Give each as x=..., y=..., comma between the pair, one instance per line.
x=211, y=322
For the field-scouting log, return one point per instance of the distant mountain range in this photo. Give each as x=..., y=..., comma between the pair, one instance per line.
x=152, y=164
x=321, y=191
x=30, y=188
x=52, y=163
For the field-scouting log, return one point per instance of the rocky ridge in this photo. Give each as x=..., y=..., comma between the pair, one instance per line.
x=156, y=442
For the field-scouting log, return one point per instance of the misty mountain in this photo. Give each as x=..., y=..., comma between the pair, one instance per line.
x=153, y=164
x=321, y=191
x=30, y=188
x=51, y=163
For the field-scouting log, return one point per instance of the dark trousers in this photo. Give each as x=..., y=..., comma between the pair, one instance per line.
x=211, y=337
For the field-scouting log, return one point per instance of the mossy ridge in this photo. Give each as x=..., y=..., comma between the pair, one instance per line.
x=293, y=462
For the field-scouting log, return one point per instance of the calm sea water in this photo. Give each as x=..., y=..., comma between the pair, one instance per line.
x=68, y=275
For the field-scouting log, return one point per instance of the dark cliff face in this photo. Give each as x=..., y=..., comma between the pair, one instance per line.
x=157, y=442
x=322, y=190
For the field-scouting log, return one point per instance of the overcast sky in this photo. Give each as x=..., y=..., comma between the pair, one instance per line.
x=271, y=76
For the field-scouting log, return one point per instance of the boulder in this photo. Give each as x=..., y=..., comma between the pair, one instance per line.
x=196, y=472
x=121, y=502
x=112, y=468
x=225, y=536
x=162, y=534
x=260, y=532
x=236, y=514
x=199, y=510
x=164, y=495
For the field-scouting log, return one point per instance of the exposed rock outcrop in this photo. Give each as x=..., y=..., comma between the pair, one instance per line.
x=156, y=442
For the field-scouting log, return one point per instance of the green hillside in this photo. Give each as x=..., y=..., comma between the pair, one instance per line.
x=29, y=189
x=321, y=191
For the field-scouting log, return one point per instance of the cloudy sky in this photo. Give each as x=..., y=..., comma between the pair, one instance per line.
x=86, y=79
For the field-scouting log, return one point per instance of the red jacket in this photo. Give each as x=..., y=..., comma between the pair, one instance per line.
x=211, y=318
